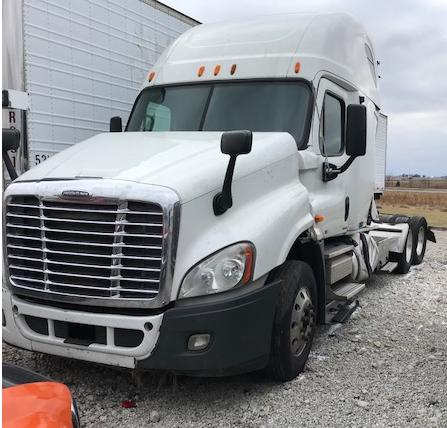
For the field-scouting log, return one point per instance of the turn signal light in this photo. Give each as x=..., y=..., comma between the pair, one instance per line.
x=216, y=69
x=297, y=67
x=248, y=265
x=201, y=70
x=233, y=69
x=151, y=76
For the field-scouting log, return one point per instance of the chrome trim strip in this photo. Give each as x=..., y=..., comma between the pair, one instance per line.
x=80, y=232
x=69, y=220
x=44, y=260
x=44, y=247
x=47, y=271
x=98, y=244
x=84, y=210
x=89, y=287
x=71, y=253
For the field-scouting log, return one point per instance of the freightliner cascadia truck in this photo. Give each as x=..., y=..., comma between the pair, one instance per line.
x=234, y=212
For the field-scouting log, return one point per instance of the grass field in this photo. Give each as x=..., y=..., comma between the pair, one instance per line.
x=430, y=204
x=419, y=183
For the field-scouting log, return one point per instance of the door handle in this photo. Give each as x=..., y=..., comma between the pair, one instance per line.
x=346, y=207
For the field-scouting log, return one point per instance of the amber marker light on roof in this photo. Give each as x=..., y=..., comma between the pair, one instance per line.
x=319, y=218
x=151, y=76
x=216, y=69
x=233, y=69
x=201, y=70
x=297, y=67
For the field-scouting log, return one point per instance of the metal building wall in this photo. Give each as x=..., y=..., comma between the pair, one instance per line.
x=85, y=61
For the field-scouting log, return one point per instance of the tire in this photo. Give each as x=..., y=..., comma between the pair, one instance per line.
x=405, y=258
x=419, y=228
x=295, y=307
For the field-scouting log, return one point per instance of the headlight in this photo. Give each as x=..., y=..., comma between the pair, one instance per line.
x=226, y=269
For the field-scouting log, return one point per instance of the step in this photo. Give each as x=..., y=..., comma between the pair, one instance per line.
x=389, y=267
x=336, y=249
x=338, y=261
x=338, y=268
x=348, y=290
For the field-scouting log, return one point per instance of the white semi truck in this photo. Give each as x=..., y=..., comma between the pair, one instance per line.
x=234, y=213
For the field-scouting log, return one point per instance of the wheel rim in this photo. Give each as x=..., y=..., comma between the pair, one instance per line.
x=409, y=246
x=421, y=241
x=302, y=322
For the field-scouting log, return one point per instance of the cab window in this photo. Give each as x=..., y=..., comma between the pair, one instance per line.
x=332, y=126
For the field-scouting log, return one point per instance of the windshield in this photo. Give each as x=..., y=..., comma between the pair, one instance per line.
x=257, y=106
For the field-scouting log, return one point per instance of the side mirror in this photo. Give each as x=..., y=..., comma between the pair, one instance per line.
x=11, y=139
x=233, y=143
x=236, y=143
x=355, y=141
x=356, y=130
x=116, y=124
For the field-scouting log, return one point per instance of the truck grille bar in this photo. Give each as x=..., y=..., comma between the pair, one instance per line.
x=96, y=249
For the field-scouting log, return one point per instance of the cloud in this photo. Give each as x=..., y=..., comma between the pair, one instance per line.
x=410, y=38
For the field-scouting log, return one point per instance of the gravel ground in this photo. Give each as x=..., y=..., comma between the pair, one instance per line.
x=386, y=367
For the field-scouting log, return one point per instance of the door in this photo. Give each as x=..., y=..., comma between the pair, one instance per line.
x=330, y=198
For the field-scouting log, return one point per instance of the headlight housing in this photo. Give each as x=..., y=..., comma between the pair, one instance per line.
x=220, y=272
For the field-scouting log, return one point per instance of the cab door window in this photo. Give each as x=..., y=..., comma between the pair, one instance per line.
x=332, y=126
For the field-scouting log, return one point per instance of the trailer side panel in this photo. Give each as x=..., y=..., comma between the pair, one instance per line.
x=84, y=63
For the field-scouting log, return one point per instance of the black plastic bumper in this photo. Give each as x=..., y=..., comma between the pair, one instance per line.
x=240, y=329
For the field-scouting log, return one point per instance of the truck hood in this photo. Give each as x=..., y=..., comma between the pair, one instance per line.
x=190, y=163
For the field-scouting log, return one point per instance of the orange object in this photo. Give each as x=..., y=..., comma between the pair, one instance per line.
x=216, y=69
x=151, y=76
x=319, y=218
x=297, y=67
x=233, y=69
x=201, y=70
x=37, y=405
x=248, y=265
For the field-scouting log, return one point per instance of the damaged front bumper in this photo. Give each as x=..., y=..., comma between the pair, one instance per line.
x=238, y=324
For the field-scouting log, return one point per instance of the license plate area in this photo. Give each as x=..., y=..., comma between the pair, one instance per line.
x=80, y=334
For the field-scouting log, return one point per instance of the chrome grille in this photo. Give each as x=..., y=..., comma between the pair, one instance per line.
x=100, y=250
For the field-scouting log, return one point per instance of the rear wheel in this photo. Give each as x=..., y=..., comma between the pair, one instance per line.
x=295, y=320
x=405, y=258
x=419, y=228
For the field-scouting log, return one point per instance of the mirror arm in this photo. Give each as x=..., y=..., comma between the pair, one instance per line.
x=330, y=171
x=224, y=200
x=347, y=164
x=9, y=166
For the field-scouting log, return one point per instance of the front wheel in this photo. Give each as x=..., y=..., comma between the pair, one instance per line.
x=295, y=320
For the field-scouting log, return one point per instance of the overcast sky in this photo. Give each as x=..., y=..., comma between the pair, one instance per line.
x=410, y=38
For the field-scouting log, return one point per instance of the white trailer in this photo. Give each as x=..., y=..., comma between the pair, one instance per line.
x=235, y=212
x=79, y=63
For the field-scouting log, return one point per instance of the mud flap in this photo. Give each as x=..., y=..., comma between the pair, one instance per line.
x=430, y=235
